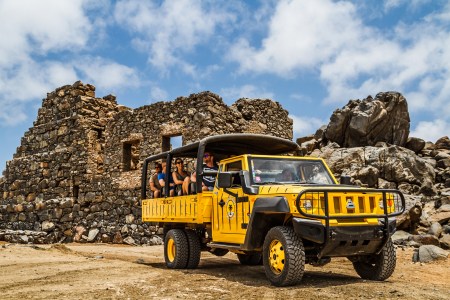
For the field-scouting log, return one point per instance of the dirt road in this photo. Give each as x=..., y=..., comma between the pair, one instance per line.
x=85, y=271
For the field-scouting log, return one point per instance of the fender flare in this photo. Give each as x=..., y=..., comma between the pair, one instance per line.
x=266, y=213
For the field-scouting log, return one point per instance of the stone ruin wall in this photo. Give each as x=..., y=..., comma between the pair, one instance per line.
x=76, y=174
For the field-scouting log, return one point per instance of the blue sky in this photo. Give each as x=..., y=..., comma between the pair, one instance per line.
x=310, y=55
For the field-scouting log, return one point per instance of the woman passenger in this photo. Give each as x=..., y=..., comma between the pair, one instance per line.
x=181, y=177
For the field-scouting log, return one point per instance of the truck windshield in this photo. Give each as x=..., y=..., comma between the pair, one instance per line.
x=279, y=171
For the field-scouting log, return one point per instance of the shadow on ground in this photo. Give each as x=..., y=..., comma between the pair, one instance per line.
x=231, y=270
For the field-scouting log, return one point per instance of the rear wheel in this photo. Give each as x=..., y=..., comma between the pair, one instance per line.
x=194, y=249
x=250, y=259
x=176, y=249
x=378, y=266
x=283, y=256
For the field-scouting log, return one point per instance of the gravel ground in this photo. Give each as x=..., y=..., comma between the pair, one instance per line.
x=103, y=271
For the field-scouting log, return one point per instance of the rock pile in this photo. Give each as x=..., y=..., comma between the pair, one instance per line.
x=76, y=175
x=368, y=140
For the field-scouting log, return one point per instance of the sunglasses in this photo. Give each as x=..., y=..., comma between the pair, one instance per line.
x=157, y=167
x=178, y=162
x=206, y=155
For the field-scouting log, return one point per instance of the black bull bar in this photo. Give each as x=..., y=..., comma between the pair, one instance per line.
x=333, y=237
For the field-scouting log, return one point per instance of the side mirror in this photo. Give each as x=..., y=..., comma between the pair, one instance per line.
x=346, y=180
x=224, y=180
x=245, y=181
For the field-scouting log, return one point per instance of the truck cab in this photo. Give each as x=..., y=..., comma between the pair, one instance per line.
x=274, y=208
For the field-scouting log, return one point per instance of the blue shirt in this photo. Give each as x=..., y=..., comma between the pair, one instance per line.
x=163, y=177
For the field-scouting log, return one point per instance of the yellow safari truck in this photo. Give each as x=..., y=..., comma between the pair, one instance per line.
x=273, y=208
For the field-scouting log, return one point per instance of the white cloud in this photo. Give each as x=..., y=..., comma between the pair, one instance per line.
x=29, y=81
x=412, y=4
x=40, y=26
x=245, y=91
x=107, y=74
x=57, y=74
x=354, y=59
x=171, y=29
x=304, y=126
x=30, y=31
x=34, y=35
x=11, y=113
x=301, y=35
x=158, y=94
x=432, y=131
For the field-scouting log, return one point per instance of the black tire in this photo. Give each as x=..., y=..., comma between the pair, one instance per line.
x=378, y=266
x=176, y=249
x=194, y=249
x=250, y=259
x=219, y=252
x=288, y=270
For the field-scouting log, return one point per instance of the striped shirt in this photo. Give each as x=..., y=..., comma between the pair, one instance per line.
x=209, y=180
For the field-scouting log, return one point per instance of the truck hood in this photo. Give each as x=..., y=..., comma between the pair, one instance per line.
x=297, y=188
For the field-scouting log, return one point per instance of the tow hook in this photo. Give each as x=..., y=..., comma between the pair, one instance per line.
x=378, y=233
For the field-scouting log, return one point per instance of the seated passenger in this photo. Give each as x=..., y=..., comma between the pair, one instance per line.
x=287, y=175
x=155, y=187
x=181, y=177
x=161, y=178
x=208, y=165
x=316, y=174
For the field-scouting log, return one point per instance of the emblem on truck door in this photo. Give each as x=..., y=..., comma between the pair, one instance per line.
x=230, y=208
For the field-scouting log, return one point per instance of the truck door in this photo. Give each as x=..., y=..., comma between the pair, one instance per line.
x=231, y=209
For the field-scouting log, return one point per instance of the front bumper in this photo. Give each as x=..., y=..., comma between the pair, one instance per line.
x=345, y=240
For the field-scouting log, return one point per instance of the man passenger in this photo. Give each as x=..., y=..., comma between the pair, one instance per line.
x=208, y=166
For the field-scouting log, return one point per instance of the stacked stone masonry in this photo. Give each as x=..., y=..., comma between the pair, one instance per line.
x=76, y=175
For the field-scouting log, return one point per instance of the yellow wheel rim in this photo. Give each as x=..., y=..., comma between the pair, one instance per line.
x=171, y=250
x=276, y=257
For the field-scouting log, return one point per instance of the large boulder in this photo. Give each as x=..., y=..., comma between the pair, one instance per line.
x=428, y=253
x=415, y=144
x=443, y=143
x=445, y=241
x=368, y=121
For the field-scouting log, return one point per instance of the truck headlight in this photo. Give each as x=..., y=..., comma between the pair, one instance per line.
x=307, y=204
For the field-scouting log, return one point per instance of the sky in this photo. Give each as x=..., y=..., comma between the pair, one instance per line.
x=312, y=56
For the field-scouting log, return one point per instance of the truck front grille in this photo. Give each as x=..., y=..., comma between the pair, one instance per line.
x=363, y=203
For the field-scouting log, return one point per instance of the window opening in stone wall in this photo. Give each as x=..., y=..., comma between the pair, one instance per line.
x=75, y=191
x=130, y=156
x=171, y=142
x=97, y=143
x=99, y=132
x=165, y=143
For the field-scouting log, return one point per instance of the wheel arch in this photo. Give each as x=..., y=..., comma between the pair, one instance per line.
x=267, y=213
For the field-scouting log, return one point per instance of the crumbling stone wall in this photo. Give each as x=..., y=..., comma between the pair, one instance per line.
x=76, y=174
x=193, y=118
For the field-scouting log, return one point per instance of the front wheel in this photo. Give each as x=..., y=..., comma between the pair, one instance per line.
x=283, y=256
x=176, y=249
x=377, y=266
